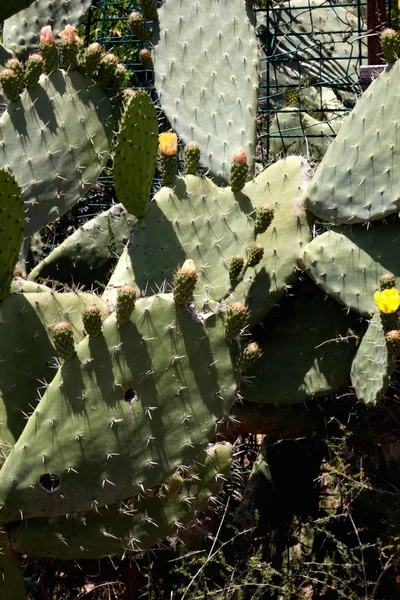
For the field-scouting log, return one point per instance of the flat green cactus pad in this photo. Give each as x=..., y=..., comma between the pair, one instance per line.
x=27, y=354
x=347, y=263
x=210, y=225
x=21, y=285
x=131, y=525
x=136, y=153
x=89, y=254
x=308, y=348
x=358, y=179
x=11, y=229
x=55, y=140
x=206, y=68
x=373, y=365
x=122, y=414
x=21, y=31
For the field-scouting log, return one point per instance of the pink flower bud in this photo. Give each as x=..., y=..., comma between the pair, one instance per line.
x=94, y=48
x=46, y=35
x=11, y=62
x=35, y=56
x=111, y=58
x=68, y=35
x=7, y=73
x=240, y=156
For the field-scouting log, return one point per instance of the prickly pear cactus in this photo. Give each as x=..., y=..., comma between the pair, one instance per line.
x=373, y=364
x=55, y=140
x=136, y=153
x=88, y=255
x=27, y=354
x=206, y=74
x=11, y=229
x=321, y=336
x=211, y=225
x=357, y=180
x=141, y=399
x=134, y=524
x=21, y=31
x=347, y=263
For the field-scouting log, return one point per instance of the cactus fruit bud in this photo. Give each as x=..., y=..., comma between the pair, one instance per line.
x=393, y=341
x=192, y=158
x=248, y=356
x=46, y=35
x=91, y=317
x=235, y=267
x=239, y=170
x=184, y=282
x=69, y=50
x=387, y=281
x=236, y=317
x=149, y=9
x=139, y=28
x=63, y=340
x=106, y=70
x=15, y=65
x=125, y=303
x=390, y=42
x=168, y=149
x=146, y=59
x=264, y=216
x=10, y=83
x=254, y=255
x=89, y=59
x=48, y=49
x=34, y=67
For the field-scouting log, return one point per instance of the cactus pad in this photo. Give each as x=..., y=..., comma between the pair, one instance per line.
x=357, y=180
x=347, y=263
x=373, y=365
x=27, y=354
x=89, y=254
x=141, y=399
x=210, y=225
x=21, y=32
x=11, y=229
x=131, y=525
x=206, y=75
x=308, y=346
x=64, y=125
x=136, y=153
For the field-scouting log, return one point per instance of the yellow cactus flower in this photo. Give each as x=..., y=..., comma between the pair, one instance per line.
x=168, y=144
x=388, y=301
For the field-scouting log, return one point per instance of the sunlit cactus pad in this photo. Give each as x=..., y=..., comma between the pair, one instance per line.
x=210, y=225
x=21, y=31
x=124, y=413
x=55, y=140
x=358, y=180
x=347, y=262
x=207, y=75
x=134, y=524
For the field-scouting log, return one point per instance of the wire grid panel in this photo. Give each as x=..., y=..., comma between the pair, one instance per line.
x=312, y=51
